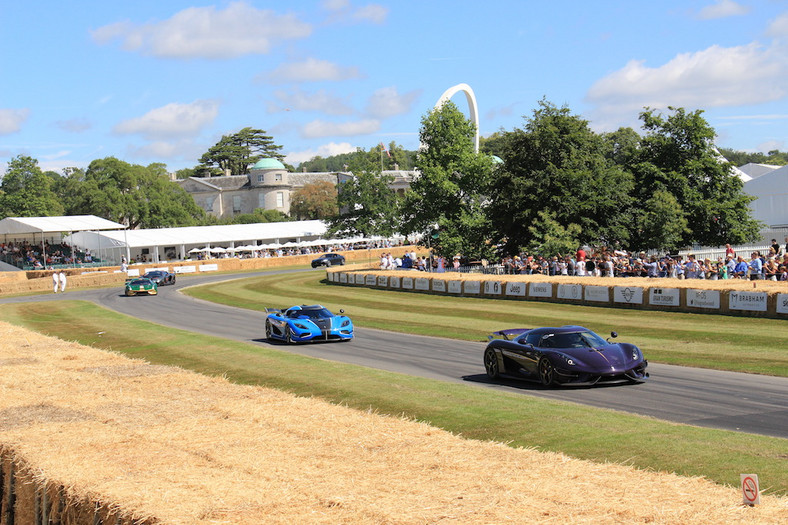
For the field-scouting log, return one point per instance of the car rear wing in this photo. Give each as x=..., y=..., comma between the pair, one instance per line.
x=273, y=310
x=507, y=334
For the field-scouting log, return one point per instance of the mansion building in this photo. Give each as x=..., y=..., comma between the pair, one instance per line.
x=268, y=186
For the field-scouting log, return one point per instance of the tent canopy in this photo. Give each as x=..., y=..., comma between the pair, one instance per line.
x=69, y=223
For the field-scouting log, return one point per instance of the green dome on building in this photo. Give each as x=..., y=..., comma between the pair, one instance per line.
x=268, y=164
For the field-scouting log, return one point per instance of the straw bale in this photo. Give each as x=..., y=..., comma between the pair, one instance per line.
x=169, y=446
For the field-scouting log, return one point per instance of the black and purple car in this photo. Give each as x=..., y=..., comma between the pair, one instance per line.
x=571, y=355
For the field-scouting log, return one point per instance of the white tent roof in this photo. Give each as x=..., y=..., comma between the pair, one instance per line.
x=70, y=223
x=212, y=235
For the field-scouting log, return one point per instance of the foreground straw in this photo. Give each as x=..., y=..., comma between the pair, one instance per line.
x=86, y=433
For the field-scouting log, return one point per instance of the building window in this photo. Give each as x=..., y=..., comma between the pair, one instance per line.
x=209, y=203
x=278, y=177
x=260, y=177
x=261, y=200
x=280, y=199
x=236, y=204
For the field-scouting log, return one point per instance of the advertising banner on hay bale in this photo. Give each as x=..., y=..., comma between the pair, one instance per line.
x=597, y=294
x=472, y=287
x=515, y=289
x=407, y=283
x=394, y=282
x=628, y=295
x=438, y=285
x=455, y=287
x=422, y=283
x=371, y=280
x=493, y=288
x=703, y=299
x=572, y=292
x=383, y=280
x=782, y=303
x=540, y=290
x=664, y=296
x=749, y=301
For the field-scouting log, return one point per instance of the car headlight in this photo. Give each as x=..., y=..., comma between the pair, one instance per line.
x=346, y=322
x=568, y=360
x=635, y=353
x=301, y=326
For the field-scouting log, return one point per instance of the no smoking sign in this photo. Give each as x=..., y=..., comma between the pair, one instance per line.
x=751, y=494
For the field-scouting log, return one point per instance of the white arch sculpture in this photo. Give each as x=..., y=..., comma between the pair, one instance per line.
x=471, y=98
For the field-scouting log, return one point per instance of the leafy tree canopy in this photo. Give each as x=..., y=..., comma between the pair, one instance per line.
x=740, y=158
x=317, y=200
x=27, y=192
x=238, y=152
x=386, y=157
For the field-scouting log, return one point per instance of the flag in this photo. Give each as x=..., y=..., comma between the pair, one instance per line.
x=383, y=148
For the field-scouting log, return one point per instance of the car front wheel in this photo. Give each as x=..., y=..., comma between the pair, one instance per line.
x=288, y=335
x=491, y=364
x=546, y=372
x=268, y=330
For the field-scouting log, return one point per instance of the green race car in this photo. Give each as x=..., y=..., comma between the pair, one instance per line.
x=140, y=286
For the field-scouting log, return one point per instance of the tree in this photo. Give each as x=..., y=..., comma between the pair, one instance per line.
x=26, y=191
x=393, y=156
x=367, y=206
x=677, y=156
x=558, y=165
x=135, y=195
x=236, y=153
x=449, y=190
x=317, y=200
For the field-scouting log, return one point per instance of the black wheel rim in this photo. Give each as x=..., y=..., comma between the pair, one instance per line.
x=491, y=363
x=268, y=330
x=546, y=372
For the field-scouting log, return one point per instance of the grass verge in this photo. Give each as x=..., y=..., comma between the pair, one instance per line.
x=701, y=340
x=582, y=432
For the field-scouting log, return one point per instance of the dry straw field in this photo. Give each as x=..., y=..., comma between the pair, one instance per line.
x=85, y=431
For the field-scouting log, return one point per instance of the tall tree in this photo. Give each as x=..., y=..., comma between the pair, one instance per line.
x=450, y=188
x=317, y=200
x=138, y=196
x=677, y=156
x=367, y=206
x=236, y=153
x=558, y=165
x=26, y=191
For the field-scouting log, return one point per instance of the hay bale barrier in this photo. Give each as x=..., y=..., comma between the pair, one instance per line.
x=729, y=296
x=88, y=436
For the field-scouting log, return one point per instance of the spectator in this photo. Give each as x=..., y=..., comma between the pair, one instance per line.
x=756, y=267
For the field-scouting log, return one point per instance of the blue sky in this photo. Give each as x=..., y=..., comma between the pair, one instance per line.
x=151, y=81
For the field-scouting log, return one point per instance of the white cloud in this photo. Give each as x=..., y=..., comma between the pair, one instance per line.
x=207, y=32
x=11, y=120
x=76, y=125
x=321, y=128
x=778, y=27
x=714, y=77
x=310, y=70
x=387, y=102
x=326, y=150
x=371, y=13
x=722, y=9
x=335, y=5
x=172, y=120
x=771, y=145
x=299, y=100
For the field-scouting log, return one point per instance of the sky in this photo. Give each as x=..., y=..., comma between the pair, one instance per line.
x=160, y=82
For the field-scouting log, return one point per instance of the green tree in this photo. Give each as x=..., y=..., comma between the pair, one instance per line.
x=367, y=206
x=677, y=156
x=236, y=153
x=26, y=191
x=317, y=200
x=659, y=223
x=450, y=188
x=257, y=216
x=138, y=196
x=550, y=237
x=558, y=165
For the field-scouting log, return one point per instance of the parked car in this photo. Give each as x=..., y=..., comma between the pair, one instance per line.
x=328, y=259
x=160, y=277
x=307, y=323
x=563, y=355
x=141, y=285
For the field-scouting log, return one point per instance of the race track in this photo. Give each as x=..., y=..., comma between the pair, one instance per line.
x=726, y=400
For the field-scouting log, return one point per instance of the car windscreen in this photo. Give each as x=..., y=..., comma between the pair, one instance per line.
x=140, y=282
x=322, y=313
x=585, y=339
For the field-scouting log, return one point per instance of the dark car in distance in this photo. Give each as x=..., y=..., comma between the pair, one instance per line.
x=563, y=355
x=328, y=259
x=160, y=277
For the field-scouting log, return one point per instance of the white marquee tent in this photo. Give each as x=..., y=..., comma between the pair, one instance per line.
x=169, y=243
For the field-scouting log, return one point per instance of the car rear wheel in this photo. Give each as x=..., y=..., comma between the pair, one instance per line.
x=491, y=364
x=546, y=372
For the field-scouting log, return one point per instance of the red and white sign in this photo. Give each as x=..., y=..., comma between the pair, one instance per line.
x=751, y=494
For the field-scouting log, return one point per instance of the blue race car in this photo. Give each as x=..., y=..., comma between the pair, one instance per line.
x=307, y=323
x=563, y=355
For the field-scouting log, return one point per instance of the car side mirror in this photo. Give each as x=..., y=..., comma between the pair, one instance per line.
x=613, y=335
x=341, y=311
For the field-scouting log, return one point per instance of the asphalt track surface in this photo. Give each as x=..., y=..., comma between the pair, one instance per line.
x=726, y=400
